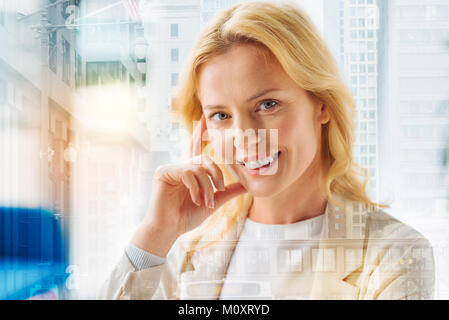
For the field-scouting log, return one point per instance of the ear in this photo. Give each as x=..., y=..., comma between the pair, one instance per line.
x=323, y=114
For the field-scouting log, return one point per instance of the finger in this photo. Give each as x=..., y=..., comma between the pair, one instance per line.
x=197, y=135
x=215, y=172
x=232, y=190
x=206, y=186
x=189, y=180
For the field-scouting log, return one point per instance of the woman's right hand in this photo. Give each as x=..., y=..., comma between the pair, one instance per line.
x=182, y=198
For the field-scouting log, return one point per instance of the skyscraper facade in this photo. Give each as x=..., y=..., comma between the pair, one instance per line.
x=415, y=122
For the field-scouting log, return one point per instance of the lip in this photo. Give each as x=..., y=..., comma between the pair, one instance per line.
x=254, y=158
x=263, y=170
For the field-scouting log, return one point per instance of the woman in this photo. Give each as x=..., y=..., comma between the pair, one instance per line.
x=276, y=213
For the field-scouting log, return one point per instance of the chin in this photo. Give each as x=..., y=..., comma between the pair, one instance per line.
x=262, y=189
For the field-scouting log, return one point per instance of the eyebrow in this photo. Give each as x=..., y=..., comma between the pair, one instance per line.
x=257, y=95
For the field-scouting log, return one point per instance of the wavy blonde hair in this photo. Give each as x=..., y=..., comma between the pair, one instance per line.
x=289, y=34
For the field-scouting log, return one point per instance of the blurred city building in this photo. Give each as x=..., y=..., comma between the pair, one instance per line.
x=415, y=119
x=71, y=92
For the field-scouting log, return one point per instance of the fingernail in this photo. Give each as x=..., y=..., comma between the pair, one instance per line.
x=211, y=203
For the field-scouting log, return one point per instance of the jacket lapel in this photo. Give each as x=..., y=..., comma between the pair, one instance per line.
x=342, y=281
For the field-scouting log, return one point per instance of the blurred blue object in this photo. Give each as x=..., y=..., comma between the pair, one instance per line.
x=32, y=255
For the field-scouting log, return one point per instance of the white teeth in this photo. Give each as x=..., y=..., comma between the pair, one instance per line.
x=258, y=163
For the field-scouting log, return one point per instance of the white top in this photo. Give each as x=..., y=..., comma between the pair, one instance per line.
x=273, y=258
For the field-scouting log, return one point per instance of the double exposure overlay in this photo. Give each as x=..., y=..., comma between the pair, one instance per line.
x=86, y=118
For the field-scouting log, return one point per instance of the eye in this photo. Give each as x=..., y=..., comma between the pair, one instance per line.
x=267, y=105
x=219, y=116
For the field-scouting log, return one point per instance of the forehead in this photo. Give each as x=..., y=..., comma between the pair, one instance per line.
x=238, y=72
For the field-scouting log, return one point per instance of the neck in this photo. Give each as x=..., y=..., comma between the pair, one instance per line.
x=306, y=198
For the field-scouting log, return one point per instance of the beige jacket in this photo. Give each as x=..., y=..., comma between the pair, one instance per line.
x=361, y=255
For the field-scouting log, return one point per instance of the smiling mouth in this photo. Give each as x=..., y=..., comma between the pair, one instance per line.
x=259, y=164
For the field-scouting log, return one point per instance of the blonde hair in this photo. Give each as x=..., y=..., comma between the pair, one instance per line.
x=289, y=34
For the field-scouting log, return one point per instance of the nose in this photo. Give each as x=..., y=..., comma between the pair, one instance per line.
x=249, y=129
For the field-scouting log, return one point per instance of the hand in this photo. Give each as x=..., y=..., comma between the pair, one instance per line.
x=183, y=197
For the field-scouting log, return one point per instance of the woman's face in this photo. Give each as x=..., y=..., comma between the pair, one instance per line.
x=241, y=91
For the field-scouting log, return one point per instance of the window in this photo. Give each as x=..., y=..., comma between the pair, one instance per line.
x=174, y=79
x=363, y=126
x=251, y=259
x=323, y=260
x=352, y=11
x=174, y=55
x=66, y=61
x=3, y=91
x=352, y=258
x=52, y=51
x=362, y=80
x=78, y=70
x=362, y=23
x=104, y=73
x=431, y=12
x=362, y=92
x=173, y=30
x=364, y=115
x=393, y=257
x=421, y=259
x=290, y=260
x=363, y=160
x=2, y=12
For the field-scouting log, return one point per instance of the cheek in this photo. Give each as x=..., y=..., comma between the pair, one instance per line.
x=300, y=139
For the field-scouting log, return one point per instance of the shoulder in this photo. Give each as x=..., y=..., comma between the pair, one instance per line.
x=382, y=225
